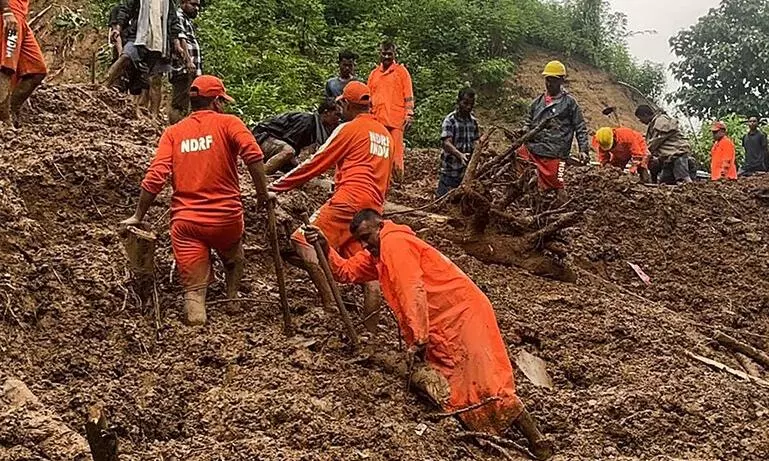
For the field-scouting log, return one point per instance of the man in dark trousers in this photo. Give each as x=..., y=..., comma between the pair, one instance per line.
x=756, y=150
x=667, y=145
x=153, y=36
x=182, y=73
x=282, y=138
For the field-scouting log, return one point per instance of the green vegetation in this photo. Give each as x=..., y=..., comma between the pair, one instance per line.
x=275, y=55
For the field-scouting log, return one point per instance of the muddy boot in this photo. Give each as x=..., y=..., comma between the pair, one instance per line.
x=195, y=307
x=541, y=447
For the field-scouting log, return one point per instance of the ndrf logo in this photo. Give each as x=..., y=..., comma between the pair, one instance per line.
x=197, y=144
x=379, y=144
x=10, y=44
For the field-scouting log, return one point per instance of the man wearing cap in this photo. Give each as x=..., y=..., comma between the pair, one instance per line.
x=361, y=151
x=201, y=153
x=392, y=96
x=619, y=146
x=22, y=65
x=549, y=149
x=723, y=163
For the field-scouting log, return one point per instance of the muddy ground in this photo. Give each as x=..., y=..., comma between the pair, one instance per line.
x=73, y=331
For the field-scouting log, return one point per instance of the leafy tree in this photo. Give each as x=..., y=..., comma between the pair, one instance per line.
x=724, y=61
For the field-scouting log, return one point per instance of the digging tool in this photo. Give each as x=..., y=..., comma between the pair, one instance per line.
x=272, y=224
x=612, y=111
x=334, y=288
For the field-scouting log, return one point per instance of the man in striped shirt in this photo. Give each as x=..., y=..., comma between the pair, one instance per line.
x=185, y=68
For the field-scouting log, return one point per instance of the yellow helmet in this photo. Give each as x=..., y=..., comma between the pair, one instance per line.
x=554, y=69
x=605, y=137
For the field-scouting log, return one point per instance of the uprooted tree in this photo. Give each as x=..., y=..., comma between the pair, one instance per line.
x=499, y=216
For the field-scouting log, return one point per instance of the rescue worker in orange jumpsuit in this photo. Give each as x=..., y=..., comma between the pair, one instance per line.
x=392, y=96
x=361, y=151
x=22, y=65
x=619, y=146
x=446, y=321
x=201, y=153
x=723, y=161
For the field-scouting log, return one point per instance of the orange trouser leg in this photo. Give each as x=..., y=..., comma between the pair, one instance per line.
x=398, y=148
x=192, y=244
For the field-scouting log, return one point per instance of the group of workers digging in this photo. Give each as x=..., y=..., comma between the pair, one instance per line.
x=447, y=322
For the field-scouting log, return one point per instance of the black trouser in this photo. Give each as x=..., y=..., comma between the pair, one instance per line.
x=670, y=170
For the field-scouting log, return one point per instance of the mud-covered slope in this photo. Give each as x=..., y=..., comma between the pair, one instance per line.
x=594, y=89
x=73, y=331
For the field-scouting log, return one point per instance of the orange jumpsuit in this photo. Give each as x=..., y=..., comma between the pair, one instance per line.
x=438, y=305
x=360, y=149
x=21, y=55
x=200, y=153
x=628, y=145
x=723, y=163
x=392, y=96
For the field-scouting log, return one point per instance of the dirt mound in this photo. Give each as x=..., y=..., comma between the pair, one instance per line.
x=594, y=89
x=73, y=331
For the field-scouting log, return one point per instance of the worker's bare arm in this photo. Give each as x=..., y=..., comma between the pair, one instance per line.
x=146, y=199
x=451, y=149
x=256, y=170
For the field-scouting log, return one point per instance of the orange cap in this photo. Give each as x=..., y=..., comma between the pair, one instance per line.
x=718, y=126
x=356, y=93
x=209, y=87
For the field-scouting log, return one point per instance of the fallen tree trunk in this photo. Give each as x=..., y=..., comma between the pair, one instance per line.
x=139, y=246
x=742, y=348
x=27, y=421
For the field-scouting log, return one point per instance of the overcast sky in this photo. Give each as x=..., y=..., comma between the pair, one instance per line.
x=667, y=17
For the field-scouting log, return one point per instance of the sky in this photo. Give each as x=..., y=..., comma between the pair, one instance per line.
x=667, y=17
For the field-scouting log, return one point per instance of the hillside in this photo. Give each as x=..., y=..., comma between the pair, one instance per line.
x=73, y=331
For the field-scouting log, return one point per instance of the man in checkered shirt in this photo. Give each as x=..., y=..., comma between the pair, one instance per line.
x=184, y=71
x=459, y=134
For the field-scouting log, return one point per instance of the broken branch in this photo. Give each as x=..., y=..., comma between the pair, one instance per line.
x=721, y=367
x=497, y=440
x=472, y=407
x=742, y=348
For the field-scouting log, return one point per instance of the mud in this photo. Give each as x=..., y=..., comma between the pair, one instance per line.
x=72, y=329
